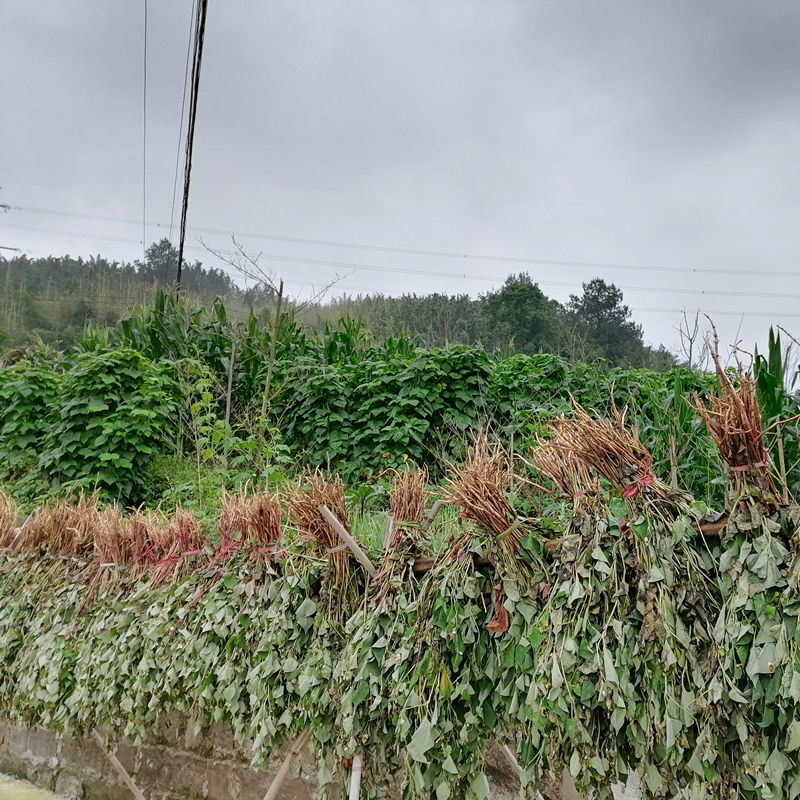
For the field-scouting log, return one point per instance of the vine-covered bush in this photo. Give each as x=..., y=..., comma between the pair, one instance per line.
x=113, y=414
x=376, y=413
x=29, y=395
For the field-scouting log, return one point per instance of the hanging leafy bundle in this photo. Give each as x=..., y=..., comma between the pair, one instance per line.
x=370, y=669
x=449, y=688
x=623, y=639
x=341, y=587
x=755, y=688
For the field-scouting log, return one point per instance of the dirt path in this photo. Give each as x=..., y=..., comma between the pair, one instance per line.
x=12, y=789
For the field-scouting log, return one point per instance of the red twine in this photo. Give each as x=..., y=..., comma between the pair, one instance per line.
x=632, y=489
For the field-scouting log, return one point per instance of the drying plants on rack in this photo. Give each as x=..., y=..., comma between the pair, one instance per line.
x=367, y=672
x=755, y=687
x=733, y=419
x=625, y=625
x=405, y=536
x=184, y=541
x=447, y=682
x=8, y=521
x=148, y=540
x=319, y=489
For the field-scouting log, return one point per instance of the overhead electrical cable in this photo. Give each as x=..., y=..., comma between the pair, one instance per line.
x=441, y=253
x=197, y=60
x=458, y=276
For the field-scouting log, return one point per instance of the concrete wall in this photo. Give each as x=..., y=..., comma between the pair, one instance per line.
x=173, y=765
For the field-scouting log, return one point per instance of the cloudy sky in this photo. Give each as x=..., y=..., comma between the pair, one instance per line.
x=426, y=146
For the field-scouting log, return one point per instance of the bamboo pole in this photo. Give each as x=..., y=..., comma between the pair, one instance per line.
x=431, y=515
x=387, y=533
x=115, y=762
x=294, y=753
x=512, y=760
x=360, y=555
x=355, y=776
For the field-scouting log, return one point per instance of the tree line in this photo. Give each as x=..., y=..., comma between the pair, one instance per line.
x=54, y=298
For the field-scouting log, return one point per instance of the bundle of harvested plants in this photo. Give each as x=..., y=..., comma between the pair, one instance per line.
x=8, y=520
x=318, y=489
x=62, y=529
x=364, y=674
x=733, y=420
x=555, y=458
x=754, y=690
x=233, y=524
x=625, y=622
x=184, y=542
x=342, y=587
x=149, y=540
x=479, y=489
x=407, y=500
x=607, y=447
x=113, y=540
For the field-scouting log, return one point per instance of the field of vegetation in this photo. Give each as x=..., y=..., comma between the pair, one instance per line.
x=594, y=564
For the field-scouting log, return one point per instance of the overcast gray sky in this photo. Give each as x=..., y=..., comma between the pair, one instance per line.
x=659, y=136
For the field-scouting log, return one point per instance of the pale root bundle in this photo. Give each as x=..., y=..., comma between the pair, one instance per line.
x=8, y=520
x=149, y=539
x=408, y=497
x=321, y=488
x=613, y=452
x=265, y=513
x=233, y=525
x=255, y=518
x=555, y=458
x=733, y=420
x=479, y=488
x=62, y=529
x=113, y=541
x=186, y=540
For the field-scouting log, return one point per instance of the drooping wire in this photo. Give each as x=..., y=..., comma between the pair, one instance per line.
x=144, y=139
x=199, y=37
x=180, y=127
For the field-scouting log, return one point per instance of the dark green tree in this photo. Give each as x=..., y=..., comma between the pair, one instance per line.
x=161, y=263
x=523, y=315
x=608, y=321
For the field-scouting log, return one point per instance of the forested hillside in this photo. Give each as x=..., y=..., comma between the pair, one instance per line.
x=54, y=298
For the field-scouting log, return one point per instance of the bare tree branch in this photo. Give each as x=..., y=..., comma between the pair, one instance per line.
x=249, y=267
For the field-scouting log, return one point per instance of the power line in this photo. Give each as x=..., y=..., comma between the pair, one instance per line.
x=491, y=278
x=199, y=38
x=441, y=253
x=144, y=138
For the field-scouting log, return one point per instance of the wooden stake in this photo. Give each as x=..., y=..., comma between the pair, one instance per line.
x=387, y=534
x=115, y=762
x=431, y=515
x=360, y=555
x=294, y=753
x=512, y=759
x=355, y=776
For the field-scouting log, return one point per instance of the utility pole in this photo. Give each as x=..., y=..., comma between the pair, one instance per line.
x=199, y=36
